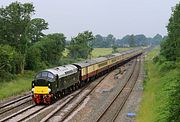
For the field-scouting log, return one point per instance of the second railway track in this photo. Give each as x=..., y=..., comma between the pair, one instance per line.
x=112, y=111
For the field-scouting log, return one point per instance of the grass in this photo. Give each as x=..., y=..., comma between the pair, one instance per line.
x=152, y=54
x=152, y=86
x=20, y=84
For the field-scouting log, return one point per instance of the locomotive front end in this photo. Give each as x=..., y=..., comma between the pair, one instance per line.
x=42, y=87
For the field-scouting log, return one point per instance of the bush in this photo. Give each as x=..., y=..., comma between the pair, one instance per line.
x=167, y=66
x=159, y=59
x=6, y=76
x=8, y=62
x=169, y=109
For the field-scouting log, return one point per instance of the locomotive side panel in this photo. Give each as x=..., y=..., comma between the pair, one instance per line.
x=68, y=81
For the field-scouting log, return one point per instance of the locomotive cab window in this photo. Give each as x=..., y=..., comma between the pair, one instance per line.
x=45, y=75
x=50, y=75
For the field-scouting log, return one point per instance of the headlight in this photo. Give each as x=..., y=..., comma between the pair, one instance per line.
x=49, y=84
x=32, y=90
x=49, y=90
x=33, y=84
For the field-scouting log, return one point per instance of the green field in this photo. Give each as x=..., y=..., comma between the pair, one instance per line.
x=23, y=82
x=97, y=52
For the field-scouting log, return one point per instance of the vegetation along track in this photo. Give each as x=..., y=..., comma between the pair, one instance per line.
x=15, y=105
x=112, y=111
x=62, y=112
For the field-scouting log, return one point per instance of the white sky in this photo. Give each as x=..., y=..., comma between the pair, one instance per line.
x=117, y=17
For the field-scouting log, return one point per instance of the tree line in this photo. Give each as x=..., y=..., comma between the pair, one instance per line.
x=24, y=46
x=127, y=41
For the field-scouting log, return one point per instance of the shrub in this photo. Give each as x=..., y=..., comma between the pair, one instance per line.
x=167, y=66
x=8, y=62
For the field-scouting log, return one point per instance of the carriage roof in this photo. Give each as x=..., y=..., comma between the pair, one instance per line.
x=85, y=63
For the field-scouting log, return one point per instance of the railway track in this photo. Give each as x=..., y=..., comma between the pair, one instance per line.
x=23, y=114
x=112, y=111
x=38, y=116
x=73, y=100
x=15, y=105
x=14, y=101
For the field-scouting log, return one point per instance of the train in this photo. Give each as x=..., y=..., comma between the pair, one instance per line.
x=51, y=84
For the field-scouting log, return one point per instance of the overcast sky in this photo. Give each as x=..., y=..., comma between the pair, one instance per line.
x=117, y=17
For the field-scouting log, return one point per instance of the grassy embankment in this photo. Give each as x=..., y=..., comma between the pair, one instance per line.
x=151, y=86
x=157, y=86
x=23, y=82
x=20, y=84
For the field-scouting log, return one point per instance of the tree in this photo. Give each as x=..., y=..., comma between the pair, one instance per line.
x=35, y=29
x=114, y=47
x=106, y=42
x=110, y=40
x=131, y=41
x=46, y=52
x=18, y=29
x=8, y=61
x=55, y=47
x=79, y=46
x=171, y=48
x=98, y=41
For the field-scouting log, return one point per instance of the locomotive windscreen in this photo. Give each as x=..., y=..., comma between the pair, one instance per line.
x=45, y=74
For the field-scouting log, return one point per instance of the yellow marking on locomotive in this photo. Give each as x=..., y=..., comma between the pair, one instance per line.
x=41, y=90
